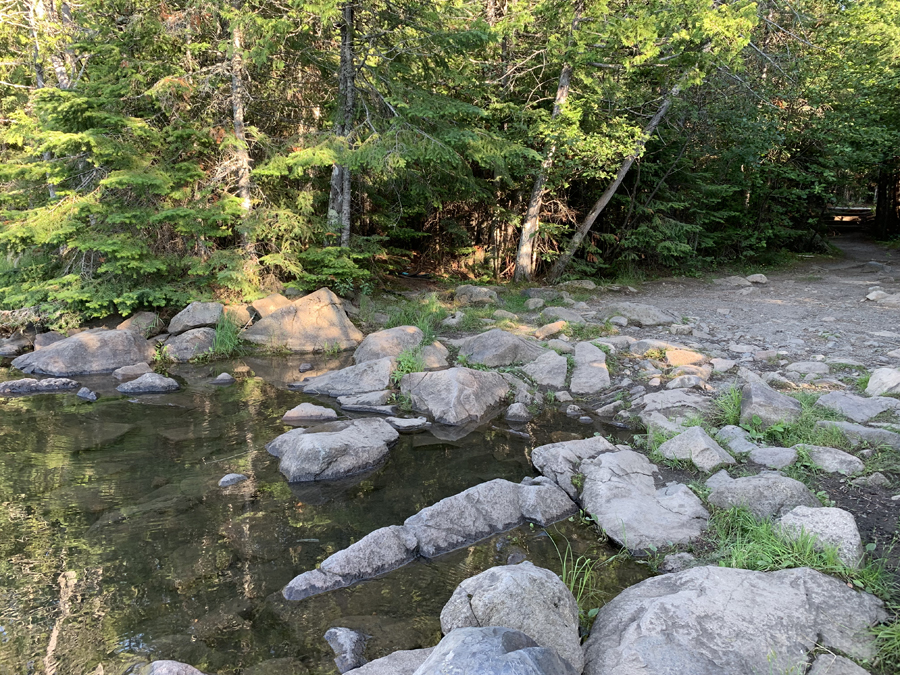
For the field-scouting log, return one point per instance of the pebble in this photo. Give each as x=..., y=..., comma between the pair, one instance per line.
x=232, y=479
x=86, y=394
x=305, y=367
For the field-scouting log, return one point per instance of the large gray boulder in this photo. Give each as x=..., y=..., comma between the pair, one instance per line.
x=499, y=348
x=29, y=386
x=87, y=353
x=314, y=323
x=722, y=621
x=621, y=495
x=388, y=343
x=857, y=408
x=493, y=651
x=639, y=314
x=832, y=664
x=696, y=446
x=454, y=522
x=196, y=315
x=190, y=344
x=884, y=381
x=455, y=396
x=831, y=526
x=560, y=462
x=760, y=400
x=364, y=378
x=523, y=597
x=403, y=662
x=674, y=403
x=764, y=495
x=333, y=450
x=590, y=375
x=149, y=383
x=548, y=370
x=858, y=434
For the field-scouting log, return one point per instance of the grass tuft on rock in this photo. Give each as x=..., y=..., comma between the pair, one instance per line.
x=228, y=337
x=425, y=313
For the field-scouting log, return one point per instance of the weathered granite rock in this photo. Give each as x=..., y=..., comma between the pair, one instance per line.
x=590, y=374
x=760, y=400
x=809, y=368
x=736, y=438
x=561, y=461
x=858, y=434
x=522, y=597
x=408, y=423
x=239, y=314
x=548, y=370
x=333, y=450
x=553, y=314
x=87, y=353
x=758, y=279
x=884, y=381
x=374, y=401
x=348, y=646
x=223, y=379
x=773, y=457
x=131, y=372
x=832, y=664
x=387, y=343
x=456, y=396
x=435, y=356
x=493, y=651
x=14, y=345
x=833, y=460
x=182, y=348
x=517, y=412
x=831, y=526
x=86, y=394
x=674, y=403
x=360, y=379
x=314, y=323
x=723, y=621
x=196, y=315
x=475, y=295
x=29, y=386
x=168, y=668
x=695, y=445
x=857, y=408
x=149, y=383
x=146, y=324
x=308, y=412
x=404, y=662
x=454, y=522
x=638, y=313
x=550, y=329
x=497, y=347
x=42, y=340
x=269, y=304
x=231, y=479
x=764, y=495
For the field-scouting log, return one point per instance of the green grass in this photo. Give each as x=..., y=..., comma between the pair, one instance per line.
x=726, y=407
x=803, y=430
x=408, y=361
x=887, y=639
x=741, y=540
x=863, y=381
x=589, y=331
x=228, y=337
x=425, y=313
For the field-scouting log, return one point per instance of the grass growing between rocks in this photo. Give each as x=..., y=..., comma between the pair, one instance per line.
x=737, y=538
x=425, y=313
x=228, y=337
x=887, y=639
x=408, y=361
x=726, y=408
x=803, y=430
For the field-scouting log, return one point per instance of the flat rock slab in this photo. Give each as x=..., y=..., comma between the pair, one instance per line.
x=553, y=315
x=675, y=402
x=131, y=372
x=149, y=383
x=452, y=523
x=760, y=400
x=884, y=381
x=408, y=423
x=269, y=304
x=404, y=662
x=773, y=457
x=591, y=374
x=333, y=450
x=764, y=495
x=308, y=412
x=831, y=526
x=367, y=377
x=638, y=313
x=196, y=315
x=858, y=434
x=696, y=446
x=87, y=353
x=809, y=368
x=456, y=396
x=833, y=460
x=497, y=347
x=560, y=461
x=832, y=664
x=548, y=370
x=523, y=597
x=29, y=386
x=621, y=495
x=476, y=295
x=190, y=344
x=388, y=343
x=493, y=651
x=314, y=323
x=722, y=621
x=857, y=408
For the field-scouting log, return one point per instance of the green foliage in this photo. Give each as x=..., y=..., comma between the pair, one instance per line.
x=589, y=331
x=425, y=312
x=887, y=639
x=227, y=342
x=803, y=430
x=408, y=361
x=726, y=407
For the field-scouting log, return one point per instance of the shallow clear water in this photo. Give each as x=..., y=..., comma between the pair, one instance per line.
x=116, y=543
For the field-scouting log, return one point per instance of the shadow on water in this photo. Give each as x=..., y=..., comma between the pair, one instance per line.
x=116, y=541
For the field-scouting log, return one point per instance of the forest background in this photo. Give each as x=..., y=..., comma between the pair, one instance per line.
x=154, y=152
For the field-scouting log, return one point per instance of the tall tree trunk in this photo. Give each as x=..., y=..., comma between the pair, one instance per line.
x=242, y=152
x=525, y=255
x=601, y=203
x=339, y=204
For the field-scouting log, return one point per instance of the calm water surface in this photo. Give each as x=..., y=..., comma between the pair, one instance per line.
x=116, y=543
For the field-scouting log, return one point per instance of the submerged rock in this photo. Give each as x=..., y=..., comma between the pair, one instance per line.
x=231, y=479
x=833, y=460
x=370, y=376
x=131, y=372
x=523, y=597
x=29, y=386
x=333, y=450
x=348, y=646
x=723, y=621
x=149, y=383
x=168, y=668
x=456, y=396
x=314, y=323
x=87, y=353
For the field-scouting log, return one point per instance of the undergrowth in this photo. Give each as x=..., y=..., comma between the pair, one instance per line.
x=425, y=313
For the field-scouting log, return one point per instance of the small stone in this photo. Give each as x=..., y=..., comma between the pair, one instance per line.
x=232, y=479
x=875, y=296
x=307, y=412
x=831, y=526
x=610, y=410
x=86, y=394
x=809, y=367
x=305, y=367
x=549, y=330
x=584, y=419
x=573, y=411
x=773, y=458
x=757, y=279
x=676, y=562
x=884, y=381
x=224, y=379
x=560, y=346
x=564, y=397
x=654, y=382
x=533, y=304
x=131, y=372
x=723, y=365
x=150, y=383
x=501, y=314
x=765, y=355
x=518, y=412
x=619, y=321
x=876, y=479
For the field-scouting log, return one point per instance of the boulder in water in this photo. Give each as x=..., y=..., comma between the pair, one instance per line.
x=87, y=353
